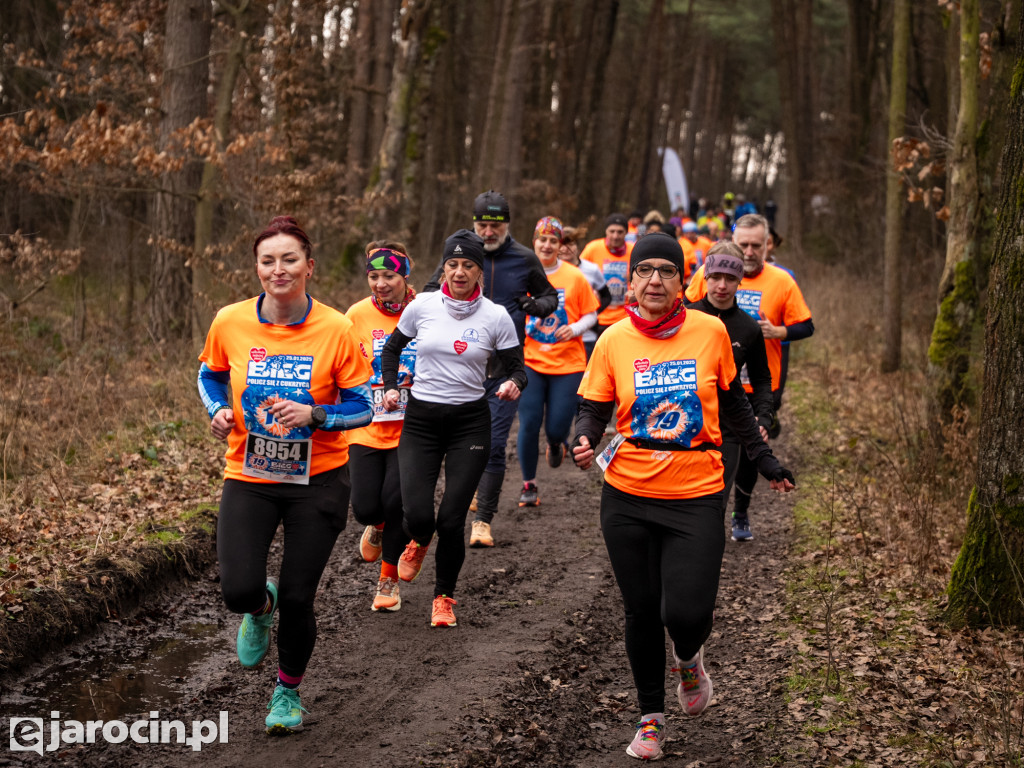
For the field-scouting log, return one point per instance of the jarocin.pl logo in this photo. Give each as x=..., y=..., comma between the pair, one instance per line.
x=28, y=734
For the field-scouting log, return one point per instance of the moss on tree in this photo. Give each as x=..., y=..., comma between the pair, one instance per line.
x=985, y=567
x=950, y=348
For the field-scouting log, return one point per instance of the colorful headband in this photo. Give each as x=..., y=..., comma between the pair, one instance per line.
x=549, y=225
x=385, y=258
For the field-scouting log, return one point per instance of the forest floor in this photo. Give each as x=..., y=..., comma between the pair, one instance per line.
x=815, y=657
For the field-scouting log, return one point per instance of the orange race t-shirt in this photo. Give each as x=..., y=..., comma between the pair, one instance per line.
x=616, y=276
x=773, y=296
x=664, y=390
x=306, y=362
x=702, y=245
x=542, y=351
x=690, y=263
x=373, y=328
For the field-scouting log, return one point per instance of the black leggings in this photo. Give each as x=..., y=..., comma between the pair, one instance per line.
x=666, y=555
x=377, y=495
x=459, y=436
x=731, y=452
x=746, y=479
x=313, y=515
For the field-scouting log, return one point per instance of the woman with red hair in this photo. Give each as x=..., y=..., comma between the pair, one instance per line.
x=281, y=377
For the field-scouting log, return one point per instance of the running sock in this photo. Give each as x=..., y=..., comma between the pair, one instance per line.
x=379, y=527
x=267, y=606
x=288, y=681
x=388, y=571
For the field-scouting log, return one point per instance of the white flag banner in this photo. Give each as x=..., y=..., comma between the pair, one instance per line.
x=675, y=179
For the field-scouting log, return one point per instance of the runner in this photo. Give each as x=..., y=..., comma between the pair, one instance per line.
x=664, y=374
x=773, y=299
x=376, y=492
x=570, y=251
x=297, y=379
x=555, y=359
x=724, y=271
x=514, y=279
x=447, y=419
x=611, y=255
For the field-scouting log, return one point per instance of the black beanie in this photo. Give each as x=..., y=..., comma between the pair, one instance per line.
x=616, y=219
x=465, y=245
x=656, y=245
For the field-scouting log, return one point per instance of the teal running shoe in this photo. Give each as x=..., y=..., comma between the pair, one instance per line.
x=254, y=632
x=285, y=712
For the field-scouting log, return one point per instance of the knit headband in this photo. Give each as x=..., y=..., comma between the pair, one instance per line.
x=385, y=258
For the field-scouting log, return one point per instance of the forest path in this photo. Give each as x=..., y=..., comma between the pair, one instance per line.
x=535, y=674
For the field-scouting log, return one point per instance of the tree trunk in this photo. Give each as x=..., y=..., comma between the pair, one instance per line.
x=784, y=32
x=950, y=350
x=357, y=112
x=894, y=258
x=987, y=586
x=486, y=157
x=385, y=195
x=507, y=152
x=183, y=99
x=245, y=20
x=589, y=155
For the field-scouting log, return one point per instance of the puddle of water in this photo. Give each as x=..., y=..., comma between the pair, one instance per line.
x=114, y=683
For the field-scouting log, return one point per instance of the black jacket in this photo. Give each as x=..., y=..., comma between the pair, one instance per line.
x=747, y=349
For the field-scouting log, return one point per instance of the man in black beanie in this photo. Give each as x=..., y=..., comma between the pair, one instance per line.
x=514, y=279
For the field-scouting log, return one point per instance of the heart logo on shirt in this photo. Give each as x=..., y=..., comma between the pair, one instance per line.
x=257, y=354
x=642, y=365
x=378, y=333
x=460, y=346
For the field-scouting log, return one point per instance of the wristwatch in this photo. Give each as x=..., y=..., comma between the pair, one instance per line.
x=318, y=417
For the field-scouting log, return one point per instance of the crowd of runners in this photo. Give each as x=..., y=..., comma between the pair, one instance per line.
x=656, y=351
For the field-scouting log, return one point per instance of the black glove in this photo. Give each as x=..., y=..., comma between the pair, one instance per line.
x=771, y=469
x=529, y=304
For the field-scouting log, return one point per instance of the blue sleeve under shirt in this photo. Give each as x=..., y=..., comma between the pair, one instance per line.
x=354, y=407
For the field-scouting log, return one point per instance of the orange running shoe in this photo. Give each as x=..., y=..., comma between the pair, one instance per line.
x=411, y=561
x=387, y=598
x=371, y=543
x=442, y=614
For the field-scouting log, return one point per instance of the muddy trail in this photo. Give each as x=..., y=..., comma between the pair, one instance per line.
x=535, y=673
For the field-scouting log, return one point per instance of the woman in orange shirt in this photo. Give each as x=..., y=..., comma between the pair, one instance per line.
x=281, y=377
x=555, y=359
x=662, y=374
x=376, y=485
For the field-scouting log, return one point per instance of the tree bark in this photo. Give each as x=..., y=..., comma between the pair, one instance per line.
x=183, y=99
x=486, y=157
x=949, y=354
x=507, y=151
x=386, y=194
x=245, y=18
x=892, y=328
x=987, y=582
x=785, y=32
x=357, y=111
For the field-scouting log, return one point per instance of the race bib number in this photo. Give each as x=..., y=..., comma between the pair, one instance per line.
x=380, y=413
x=283, y=461
x=605, y=457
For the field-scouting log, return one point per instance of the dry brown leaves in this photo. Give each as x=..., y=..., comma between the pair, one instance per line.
x=880, y=679
x=95, y=464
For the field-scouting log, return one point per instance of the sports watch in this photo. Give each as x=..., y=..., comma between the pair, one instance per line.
x=318, y=417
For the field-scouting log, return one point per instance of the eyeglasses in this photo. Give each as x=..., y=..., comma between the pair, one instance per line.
x=665, y=271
